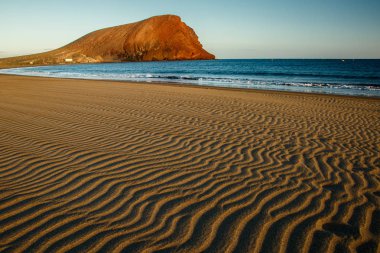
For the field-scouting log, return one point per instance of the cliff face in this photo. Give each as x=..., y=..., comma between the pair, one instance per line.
x=154, y=39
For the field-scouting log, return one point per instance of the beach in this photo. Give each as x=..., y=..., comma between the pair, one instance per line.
x=90, y=166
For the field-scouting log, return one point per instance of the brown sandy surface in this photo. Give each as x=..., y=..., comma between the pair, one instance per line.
x=107, y=166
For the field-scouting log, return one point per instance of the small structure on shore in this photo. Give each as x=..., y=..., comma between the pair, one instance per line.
x=68, y=60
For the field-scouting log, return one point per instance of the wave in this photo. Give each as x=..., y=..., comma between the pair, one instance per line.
x=299, y=74
x=231, y=81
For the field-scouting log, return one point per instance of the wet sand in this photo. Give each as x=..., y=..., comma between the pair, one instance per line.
x=91, y=166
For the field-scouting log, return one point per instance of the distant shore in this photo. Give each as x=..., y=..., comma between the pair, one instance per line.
x=90, y=165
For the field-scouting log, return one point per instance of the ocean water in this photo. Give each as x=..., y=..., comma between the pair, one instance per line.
x=345, y=77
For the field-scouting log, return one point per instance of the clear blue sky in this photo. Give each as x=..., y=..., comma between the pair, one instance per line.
x=227, y=28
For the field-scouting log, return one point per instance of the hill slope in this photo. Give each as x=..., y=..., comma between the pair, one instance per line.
x=157, y=38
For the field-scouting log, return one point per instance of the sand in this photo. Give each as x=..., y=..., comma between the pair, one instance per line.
x=91, y=166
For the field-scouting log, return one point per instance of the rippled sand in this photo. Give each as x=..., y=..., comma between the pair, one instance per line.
x=106, y=166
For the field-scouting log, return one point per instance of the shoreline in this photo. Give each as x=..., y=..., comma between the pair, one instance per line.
x=301, y=78
x=203, y=87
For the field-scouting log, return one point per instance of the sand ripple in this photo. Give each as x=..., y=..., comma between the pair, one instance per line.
x=104, y=166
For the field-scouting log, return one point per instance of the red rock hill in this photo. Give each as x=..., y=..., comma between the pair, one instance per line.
x=157, y=38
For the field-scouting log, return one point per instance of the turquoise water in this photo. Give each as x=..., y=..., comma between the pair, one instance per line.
x=345, y=77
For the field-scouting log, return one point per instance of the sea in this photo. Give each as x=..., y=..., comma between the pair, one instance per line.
x=343, y=77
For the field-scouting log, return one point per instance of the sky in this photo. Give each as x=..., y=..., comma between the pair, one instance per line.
x=229, y=29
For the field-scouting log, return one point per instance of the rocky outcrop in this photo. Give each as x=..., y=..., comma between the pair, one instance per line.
x=155, y=39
